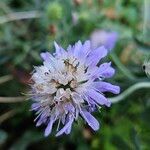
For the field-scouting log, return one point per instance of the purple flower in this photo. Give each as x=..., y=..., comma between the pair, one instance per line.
x=105, y=38
x=69, y=85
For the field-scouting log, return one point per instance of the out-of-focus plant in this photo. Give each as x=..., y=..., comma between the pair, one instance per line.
x=54, y=11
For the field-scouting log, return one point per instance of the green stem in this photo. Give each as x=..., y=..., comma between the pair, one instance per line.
x=5, y=78
x=13, y=99
x=146, y=21
x=129, y=91
x=14, y=16
x=7, y=115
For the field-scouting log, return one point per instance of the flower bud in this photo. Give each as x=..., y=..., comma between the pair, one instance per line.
x=54, y=11
x=52, y=29
x=77, y=2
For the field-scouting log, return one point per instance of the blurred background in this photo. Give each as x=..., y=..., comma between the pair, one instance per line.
x=29, y=27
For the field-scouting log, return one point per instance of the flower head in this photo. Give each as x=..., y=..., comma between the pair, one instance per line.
x=105, y=38
x=146, y=67
x=69, y=85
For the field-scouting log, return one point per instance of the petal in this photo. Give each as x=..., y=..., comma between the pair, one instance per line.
x=66, y=127
x=39, y=122
x=86, y=47
x=93, y=72
x=92, y=122
x=68, y=130
x=42, y=119
x=50, y=62
x=46, y=56
x=106, y=87
x=106, y=38
x=105, y=70
x=98, y=98
x=77, y=98
x=84, y=51
x=96, y=55
x=49, y=128
x=77, y=49
x=111, y=40
x=35, y=106
x=59, y=50
x=69, y=107
x=70, y=49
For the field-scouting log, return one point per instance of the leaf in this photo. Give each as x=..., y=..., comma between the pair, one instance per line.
x=120, y=143
x=27, y=138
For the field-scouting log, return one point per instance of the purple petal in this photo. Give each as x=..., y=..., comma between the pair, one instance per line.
x=49, y=128
x=70, y=50
x=46, y=56
x=66, y=127
x=92, y=122
x=96, y=55
x=86, y=47
x=77, y=49
x=89, y=100
x=39, y=122
x=35, y=106
x=42, y=119
x=98, y=98
x=111, y=41
x=59, y=50
x=92, y=108
x=69, y=107
x=106, y=87
x=68, y=130
x=48, y=59
x=105, y=70
x=93, y=72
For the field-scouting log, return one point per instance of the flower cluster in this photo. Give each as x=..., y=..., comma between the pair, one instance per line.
x=70, y=85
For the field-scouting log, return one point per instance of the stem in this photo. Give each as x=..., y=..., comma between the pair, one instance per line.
x=19, y=16
x=130, y=90
x=12, y=99
x=5, y=78
x=146, y=24
x=7, y=115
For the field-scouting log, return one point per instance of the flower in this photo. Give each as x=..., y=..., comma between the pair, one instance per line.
x=146, y=67
x=105, y=38
x=69, y=85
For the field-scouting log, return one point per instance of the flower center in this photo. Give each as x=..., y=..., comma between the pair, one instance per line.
x=71, y=67
x=71, y=85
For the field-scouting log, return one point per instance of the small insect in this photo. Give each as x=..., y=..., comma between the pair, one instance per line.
x=146, y=67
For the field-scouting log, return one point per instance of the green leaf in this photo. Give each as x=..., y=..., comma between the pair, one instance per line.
x=27, y=138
